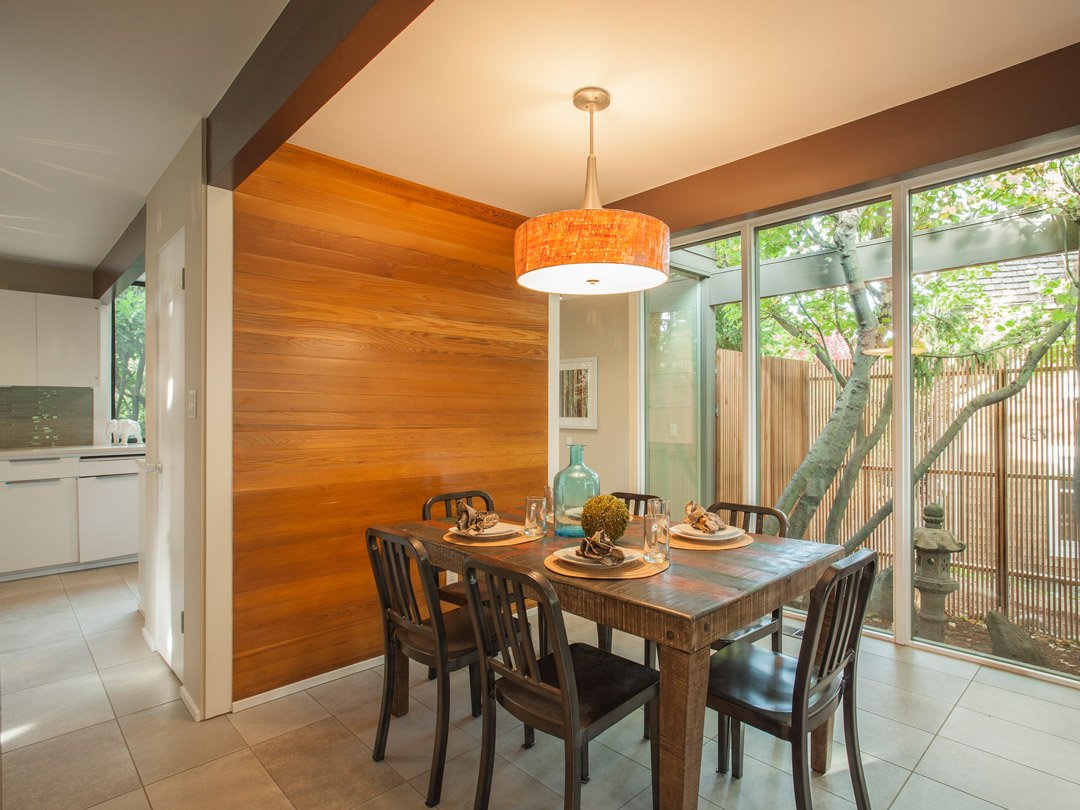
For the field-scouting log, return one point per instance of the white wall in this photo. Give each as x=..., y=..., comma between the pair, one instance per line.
x=605, y=326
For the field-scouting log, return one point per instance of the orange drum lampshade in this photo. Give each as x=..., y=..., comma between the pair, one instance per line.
x=591, y=251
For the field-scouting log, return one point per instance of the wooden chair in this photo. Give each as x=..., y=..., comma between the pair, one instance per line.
x=575, y=692
x=636, y=503
x=445, y=642
x=789, y=697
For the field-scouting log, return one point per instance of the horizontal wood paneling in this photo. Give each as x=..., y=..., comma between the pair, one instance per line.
x=382, y=352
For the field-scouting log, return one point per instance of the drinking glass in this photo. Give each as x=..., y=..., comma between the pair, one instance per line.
x=535, y=517
x=658, y=506
x=657, y=538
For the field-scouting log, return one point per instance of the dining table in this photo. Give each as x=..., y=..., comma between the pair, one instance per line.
x=700, y=598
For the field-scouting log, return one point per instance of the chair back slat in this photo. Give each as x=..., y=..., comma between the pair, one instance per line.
x=834, y=625
x=392, y=557
x=635, y=501
x=447, y=500
x=752, y=518
x=504, y=634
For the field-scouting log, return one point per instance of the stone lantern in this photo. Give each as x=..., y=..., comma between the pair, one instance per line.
x=933, y=546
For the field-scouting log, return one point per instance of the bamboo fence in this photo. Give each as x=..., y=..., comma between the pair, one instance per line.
x=1005, y=480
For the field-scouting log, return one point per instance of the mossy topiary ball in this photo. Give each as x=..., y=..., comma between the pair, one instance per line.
x=605, y=512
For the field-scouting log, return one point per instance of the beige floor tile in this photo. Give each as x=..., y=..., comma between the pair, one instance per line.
x=1033, y=687
x=614, y=781
x=34, y=666
x=26, y=605
x=117, y=647
x=19, y=587
x=887, y=739
x=921, y=658
x=22, y=633
x=762, y=787
x=883, y=779
x=1036, y=749
x=136, y=800
x=140, y=685
x=261, y=723
x=1023, y=710
x=411, y=739
x=998, y=780
x=324, y=767
x=403, y=797
x=165, y=740
x=235, y=782
x=36, y=714
x=626, y=737
x=921, y=793
x=99, y=593
x=346, y=693
x=109, y=616
x=128, y=572
x=922, y=680
x=90, y=576
x=510, y=786
x=69, y=772
x=461, y=705
x=643, y=801
x=903, y=706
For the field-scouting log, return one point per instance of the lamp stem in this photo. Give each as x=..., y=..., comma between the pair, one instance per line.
x=592, y=186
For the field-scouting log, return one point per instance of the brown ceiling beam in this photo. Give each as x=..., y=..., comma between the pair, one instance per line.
x=313, y=50
x=110, y=275
x=1021, y=105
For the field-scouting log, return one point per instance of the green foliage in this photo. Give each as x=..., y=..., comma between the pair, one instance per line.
x=129, y=360
x=605, y=512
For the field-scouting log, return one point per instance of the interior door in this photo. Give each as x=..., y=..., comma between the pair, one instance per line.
x=165, y=454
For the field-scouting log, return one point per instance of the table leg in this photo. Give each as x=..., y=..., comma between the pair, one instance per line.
x=401, y=686
x=821, y=746
x=684, y=680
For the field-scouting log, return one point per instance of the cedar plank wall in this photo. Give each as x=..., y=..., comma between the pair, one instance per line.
x=382, y=353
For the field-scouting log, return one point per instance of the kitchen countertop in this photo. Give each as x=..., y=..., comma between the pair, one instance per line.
x=78, y=450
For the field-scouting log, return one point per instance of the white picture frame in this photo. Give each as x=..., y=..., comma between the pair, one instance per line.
x=577, y=393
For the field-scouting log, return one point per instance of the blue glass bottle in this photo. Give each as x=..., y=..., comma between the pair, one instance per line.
x=574, y=484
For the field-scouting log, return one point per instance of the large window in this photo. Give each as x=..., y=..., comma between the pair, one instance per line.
x=129, y=355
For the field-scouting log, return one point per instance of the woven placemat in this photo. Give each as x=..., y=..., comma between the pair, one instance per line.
x=513, y=540
x=639, y=571
x=703, y=545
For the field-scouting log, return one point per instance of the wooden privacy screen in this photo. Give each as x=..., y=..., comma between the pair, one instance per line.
x=382, y=353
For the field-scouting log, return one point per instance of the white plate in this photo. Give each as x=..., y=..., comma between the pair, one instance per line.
x=496, y=532
x=570, y=555
x=688, y=532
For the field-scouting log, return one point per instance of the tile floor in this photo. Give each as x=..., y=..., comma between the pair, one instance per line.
x=89, y=717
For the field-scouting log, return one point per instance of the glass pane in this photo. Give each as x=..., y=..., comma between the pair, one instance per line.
x=129, y=362
x=826, y=394
x=730, y=410
x=672, y=401
x=995, y=407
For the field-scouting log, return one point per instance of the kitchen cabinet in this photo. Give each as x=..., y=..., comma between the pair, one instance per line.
x=39, y=513
x=18, y=338
x=108, y=508
x=49, y=340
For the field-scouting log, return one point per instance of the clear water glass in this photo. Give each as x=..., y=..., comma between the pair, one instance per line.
x=658, y=506
x=535, y=517
x=657, y=538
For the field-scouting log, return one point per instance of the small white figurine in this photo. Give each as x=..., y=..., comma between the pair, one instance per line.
x=118, y=431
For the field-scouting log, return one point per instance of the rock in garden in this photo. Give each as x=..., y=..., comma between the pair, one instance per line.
x=881, y=596
x=1010, y=640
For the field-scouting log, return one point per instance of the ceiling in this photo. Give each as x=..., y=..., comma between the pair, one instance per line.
x=474, y=97
x=95, y=100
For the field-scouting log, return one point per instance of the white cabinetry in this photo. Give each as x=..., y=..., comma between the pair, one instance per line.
x=49, y=340
x=108, y=509
x=38, y=513
x=18, y=338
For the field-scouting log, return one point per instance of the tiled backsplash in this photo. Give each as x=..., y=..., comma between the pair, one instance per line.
x=46, y=417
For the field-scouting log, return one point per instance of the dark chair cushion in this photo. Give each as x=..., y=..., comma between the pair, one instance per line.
x=757, y=679
x=604, y=682
x=460, y=638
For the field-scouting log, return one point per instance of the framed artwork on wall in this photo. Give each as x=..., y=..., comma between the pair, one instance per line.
x=577, y=393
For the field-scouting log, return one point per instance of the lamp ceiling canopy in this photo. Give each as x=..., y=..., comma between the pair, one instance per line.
x=591, y=250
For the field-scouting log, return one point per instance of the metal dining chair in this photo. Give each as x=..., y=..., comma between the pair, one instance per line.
x=445, y=642
x=636, y=504
x=454, y=592
x=575, y=692
x=790, y=697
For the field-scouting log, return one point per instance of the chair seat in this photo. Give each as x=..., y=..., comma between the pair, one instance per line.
x=605, y=681
x=460, y=637
x=758, y=680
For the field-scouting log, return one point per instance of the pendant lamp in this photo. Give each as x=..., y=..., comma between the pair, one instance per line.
x=591, y=250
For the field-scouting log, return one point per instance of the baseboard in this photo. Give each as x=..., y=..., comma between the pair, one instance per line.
x=193, y=710
x=149, y=639
x=300, y=686
x=67, y=568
